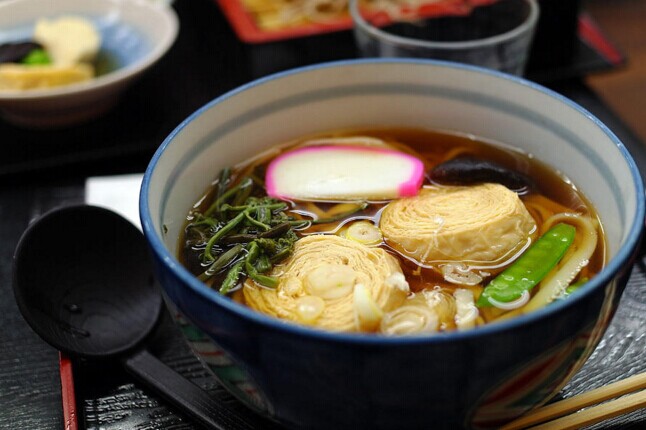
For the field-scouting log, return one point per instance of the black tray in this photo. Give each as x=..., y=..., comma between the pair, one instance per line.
x=206, y=61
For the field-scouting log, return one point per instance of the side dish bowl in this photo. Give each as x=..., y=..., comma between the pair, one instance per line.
x=135, y=35
x=307, y=378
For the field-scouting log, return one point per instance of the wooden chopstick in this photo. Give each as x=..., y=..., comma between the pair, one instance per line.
x=596, y=414
x=599, y=413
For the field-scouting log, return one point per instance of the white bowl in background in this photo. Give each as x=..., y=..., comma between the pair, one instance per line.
x=135, y=35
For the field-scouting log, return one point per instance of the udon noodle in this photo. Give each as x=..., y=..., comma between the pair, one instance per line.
x=482, y=232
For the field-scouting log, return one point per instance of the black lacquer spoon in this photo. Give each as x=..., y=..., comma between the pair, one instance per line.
x=83, y=281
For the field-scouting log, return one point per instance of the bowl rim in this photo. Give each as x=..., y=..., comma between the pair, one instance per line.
x=160, y=47
x=606, y=275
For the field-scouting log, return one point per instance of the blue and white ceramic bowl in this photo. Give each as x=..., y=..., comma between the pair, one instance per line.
x=306, y=378
x=135, y=35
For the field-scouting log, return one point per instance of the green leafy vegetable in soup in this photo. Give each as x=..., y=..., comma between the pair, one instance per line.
x=241, y=234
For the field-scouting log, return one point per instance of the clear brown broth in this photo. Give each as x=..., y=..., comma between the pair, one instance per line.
x=432, y=147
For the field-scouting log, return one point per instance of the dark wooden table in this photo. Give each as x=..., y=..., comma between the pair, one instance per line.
x=623, y=90
x=43, y=169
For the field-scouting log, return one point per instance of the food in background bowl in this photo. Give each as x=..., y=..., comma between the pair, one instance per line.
x=62, y=52
x=477, y=378
x=320, y=232
x=273, y=15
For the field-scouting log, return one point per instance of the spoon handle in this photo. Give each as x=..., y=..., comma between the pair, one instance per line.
x=183, y=394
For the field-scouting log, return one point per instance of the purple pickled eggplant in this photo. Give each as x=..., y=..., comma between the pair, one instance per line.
x=15, y=52
x=471, y=170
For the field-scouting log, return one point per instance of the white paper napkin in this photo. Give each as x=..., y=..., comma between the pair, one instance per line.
x=119, y=193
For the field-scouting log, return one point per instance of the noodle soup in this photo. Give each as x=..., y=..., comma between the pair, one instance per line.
x=471, y=378
x=487, y=233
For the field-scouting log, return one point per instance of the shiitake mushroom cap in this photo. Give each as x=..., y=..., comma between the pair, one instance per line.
x=467, y=170
x=17, y=51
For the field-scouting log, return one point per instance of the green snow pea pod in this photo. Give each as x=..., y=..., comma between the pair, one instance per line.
x=531, y=267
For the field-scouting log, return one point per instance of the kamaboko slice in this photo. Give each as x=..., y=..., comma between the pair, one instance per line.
x=344, y=172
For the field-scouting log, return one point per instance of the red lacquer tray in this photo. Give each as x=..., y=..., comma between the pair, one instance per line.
x=248, y=30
